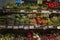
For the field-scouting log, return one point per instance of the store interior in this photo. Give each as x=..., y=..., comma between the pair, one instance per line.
x=29, y=20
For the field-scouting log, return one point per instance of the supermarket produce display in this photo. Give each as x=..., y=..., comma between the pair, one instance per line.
x=39, y=20
x=30, y=20
x=29, y=16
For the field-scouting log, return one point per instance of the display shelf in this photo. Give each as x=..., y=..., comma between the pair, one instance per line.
x=41, y=31
x=31, y=11
x=33, y=21
x=28, y=27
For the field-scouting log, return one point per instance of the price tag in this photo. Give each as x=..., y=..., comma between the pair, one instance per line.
x=20, y=26
x=50, y=26
x=22, y=2
x=31, y=27
x=45, y=27
x=22, y=10
x=15, y=27
x=34, y=10
x=54, y=11
x=9, y=27
x=58, y=27
x=44, y=11
x=26, y=27
x=58, y=12
x=37, y=26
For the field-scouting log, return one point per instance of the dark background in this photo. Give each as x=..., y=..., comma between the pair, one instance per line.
x=2, y=2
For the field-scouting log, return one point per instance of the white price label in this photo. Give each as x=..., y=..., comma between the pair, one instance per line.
x=45, y=11
x=58, y=12
x=15, y=27
x=37, y=26
x=26, y=27
x=58, y=27
x=34, y=10
x=54, y=11
x=22, y=10
x=50, y=26
x=31, y=27
x=9, y=27
x=45, y=27
x=21, y=26
x=22, y=1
